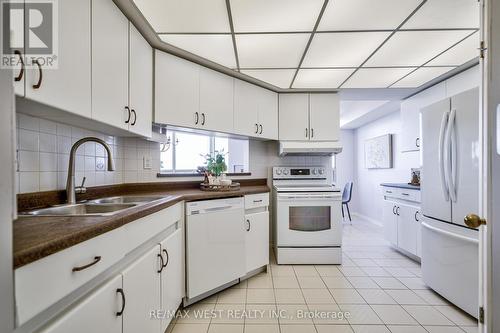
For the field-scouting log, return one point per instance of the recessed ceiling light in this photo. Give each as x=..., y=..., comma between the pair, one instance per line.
x=375, y=77
x=459, y=54
x=421, y=76
x=437, y=14
x=321, y=78
x=278, y=77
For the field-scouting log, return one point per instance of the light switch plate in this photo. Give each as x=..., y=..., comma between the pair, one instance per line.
x=147, y=163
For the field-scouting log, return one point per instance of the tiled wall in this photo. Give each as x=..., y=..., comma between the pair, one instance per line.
x=43, y=155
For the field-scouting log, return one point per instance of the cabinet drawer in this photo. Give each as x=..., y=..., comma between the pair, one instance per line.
x=45, y=281
x=256, y=200
x=401, y=193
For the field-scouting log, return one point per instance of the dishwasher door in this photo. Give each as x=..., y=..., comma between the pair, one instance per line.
x=215, y=244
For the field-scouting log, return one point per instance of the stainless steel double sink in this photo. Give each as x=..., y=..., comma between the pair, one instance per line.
x=97, y=207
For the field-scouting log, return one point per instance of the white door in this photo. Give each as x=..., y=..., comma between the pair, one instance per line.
x=177, y=91
x=172, y=275
x=294, y=117
x=257, y=240
x=67, y=87
x=246, y=108
x=141, y=285
x=435, y=195
x=99, y=312
x=407, y=227
x=141, y=83
x=390, y=222
x=324, y=113
x=268, y=114
x=109, y=64
x=216, y=100
x=466, y=134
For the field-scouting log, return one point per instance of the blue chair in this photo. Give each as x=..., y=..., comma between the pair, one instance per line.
x=346, y=198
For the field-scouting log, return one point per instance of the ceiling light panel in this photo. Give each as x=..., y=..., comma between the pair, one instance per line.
x=436, y=14
x=414, y=48
x=186, y=16
x=275, y=15
x=278, y=77
x=366, y=14
x=216, y=48
x=376, y=77
x=321, y=78
x=342, y=49
x=421, y=76
x=459, y=54
x=270, y=50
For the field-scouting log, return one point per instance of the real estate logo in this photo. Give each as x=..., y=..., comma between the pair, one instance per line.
x=29, y=34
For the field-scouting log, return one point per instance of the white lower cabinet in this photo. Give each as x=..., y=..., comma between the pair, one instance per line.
x=257, y=240
x=408, y=226
x=141, y=286
x=172, y=276
x=99, y=312
x=390, y=222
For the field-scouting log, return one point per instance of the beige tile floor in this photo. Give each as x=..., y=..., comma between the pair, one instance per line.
x=380, y=289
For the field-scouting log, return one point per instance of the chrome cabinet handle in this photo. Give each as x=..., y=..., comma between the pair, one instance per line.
x=260, y=129
x=417, y=142
x=312, y=132
x=120, y=291
x=129, y=114
x=40, y=77
x=256, y=128
x=135, y=117
x=416, y=216
x=196, y=118
x=406, y=194
x=397, y=211
x=81, y=268
x=168, y=258
x=249, y=225
x=256, y=201
x=307, y=132
x=394, y=210
x=19, y=77
x=203, y=119
x=162, y=263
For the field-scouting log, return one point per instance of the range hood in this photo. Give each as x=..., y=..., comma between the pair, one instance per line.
x=320, y=148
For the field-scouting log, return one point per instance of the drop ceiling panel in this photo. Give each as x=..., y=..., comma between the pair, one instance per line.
x=421, y=76
x=366, y=14
x=271, y=50
x=279, y=77
x=275, y=15
x=217, y=48
x=414, y=48
x=376, y=77
x=321, y=78
x=459, y=54
x=342, y=49
x=189, y=16
x=445, y=14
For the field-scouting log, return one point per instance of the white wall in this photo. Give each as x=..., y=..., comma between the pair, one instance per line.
x=344, y=162
x=367, y=195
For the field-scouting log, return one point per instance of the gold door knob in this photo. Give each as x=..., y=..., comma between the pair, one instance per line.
x=474, y=221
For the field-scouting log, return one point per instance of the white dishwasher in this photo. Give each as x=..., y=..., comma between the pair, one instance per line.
x=215, y=245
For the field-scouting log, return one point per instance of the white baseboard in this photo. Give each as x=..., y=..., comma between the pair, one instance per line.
x=369, y=219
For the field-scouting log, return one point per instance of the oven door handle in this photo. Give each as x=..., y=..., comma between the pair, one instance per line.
x=308, y=196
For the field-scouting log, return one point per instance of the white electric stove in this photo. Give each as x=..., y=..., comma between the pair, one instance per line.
x=307, y=216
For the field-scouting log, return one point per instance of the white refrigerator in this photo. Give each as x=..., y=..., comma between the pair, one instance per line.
x=450, y=179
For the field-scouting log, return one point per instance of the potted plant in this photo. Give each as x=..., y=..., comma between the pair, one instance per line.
x=216, y=163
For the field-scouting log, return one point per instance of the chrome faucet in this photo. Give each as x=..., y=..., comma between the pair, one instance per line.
x=70, y=184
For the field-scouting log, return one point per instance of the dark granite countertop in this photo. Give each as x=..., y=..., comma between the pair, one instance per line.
x=401, y=185
x=36, y=237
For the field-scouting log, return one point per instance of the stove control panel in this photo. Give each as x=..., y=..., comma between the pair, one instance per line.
x=299, y=172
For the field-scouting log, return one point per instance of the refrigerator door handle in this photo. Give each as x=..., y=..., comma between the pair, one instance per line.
x=451, y=155
x=441, y=154
x=450, y=234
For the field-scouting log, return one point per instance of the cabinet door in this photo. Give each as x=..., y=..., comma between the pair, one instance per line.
x=172, y=275
x=268, y=114
x=17, y=26
x=418, y=217
x=96, y=313
x=141, y=285
x=294, y=117
x=68, y=87
x=324, y=117
x=246, y=108
x=216, y=100
x=141, y=83
x=390, y=222
x=257, y=240
x=177, y=91
x=109, y=64
x=407, y=228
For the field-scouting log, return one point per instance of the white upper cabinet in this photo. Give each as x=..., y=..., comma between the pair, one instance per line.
x=216, y=101
x=294, y=117
x=246, y=108
x=141, y=83
x=268, y=114
x=177, y=91
x=67, y=87
x=324, y=117
x=309, y=117
x=110, y=29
